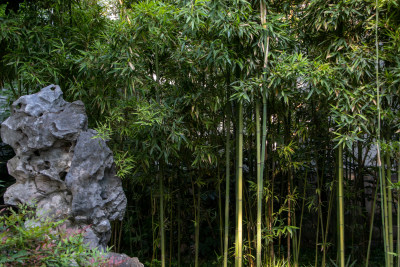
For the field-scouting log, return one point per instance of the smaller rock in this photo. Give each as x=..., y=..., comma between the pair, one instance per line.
x=123, y=260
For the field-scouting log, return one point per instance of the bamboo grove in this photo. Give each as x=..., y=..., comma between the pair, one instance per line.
x=247, y=133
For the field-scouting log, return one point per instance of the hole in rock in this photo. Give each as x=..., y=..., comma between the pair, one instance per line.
x=62, y=175
x=36, y=153
x=19, y=106
x=67, y=146
x=103, y=195
x=46, y=165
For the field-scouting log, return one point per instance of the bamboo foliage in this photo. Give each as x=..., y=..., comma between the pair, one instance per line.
x=170, y=83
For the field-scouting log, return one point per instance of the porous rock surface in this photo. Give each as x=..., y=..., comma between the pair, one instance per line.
x=122, y=260
x=60, y=166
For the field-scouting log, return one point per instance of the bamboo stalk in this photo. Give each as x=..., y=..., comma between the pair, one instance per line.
x=328, y=220
x=289, y=218
x=220, y=214
x=389, y=204
x=152, y=226
x=379, y=159
x=240, y=187
x=263, y=11
x=197, y=230
x=398, y=215
x=237, y=189
x=341, y=207
x=316, y=243
x=171, y=216
x=259, y=185
x=162, y=230
x=384, y=211
x=319, y=182
x=271, y=212
x=179, y=230
x=301, y=219
x=371, y=227
x=227, y=180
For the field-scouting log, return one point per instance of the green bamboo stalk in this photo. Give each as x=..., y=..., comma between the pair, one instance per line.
x=301, y=219
x=158, y=77
x=195, y=220
x=259, y=184
x=328, y=220
x=240, y=187
x=171, y=204
x=316, y=243
x=162, y=230
x=264, y=94
x=264, y=126
x=220, y=214
x=337, y=208
x=341, y=206
x=371, y=227
x=263, y=11
x=294, y=245
x=319, y=182
x=289, y=217
x=259, y=175
x=381, y=176
x=237, y=189
x=152, y=228
x=398, y=215
x=384, y=209
x=227, y=184
x=197, y=231
x=179, y=230
x=389, y=204
x=271, y=212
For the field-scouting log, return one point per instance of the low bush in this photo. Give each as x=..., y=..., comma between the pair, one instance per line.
x=29, y=240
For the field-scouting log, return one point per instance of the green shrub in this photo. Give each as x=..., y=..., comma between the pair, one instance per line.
x=29, y=240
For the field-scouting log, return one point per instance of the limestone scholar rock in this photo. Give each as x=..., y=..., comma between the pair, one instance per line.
x=60, y=166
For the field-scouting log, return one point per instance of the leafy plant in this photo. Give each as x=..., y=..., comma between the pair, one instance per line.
x=29, y=240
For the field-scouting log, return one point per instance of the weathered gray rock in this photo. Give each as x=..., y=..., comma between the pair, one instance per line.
x=60, y=166
x=123, y=260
